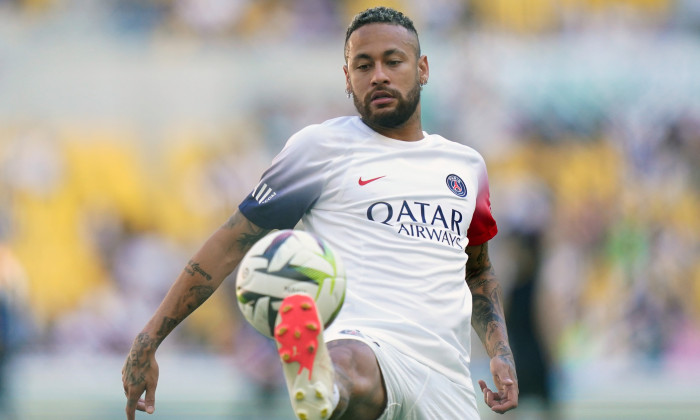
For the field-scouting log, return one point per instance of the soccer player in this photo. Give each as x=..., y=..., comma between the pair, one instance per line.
x=409, y=213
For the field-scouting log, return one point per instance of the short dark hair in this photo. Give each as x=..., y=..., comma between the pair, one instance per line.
x=380, y=14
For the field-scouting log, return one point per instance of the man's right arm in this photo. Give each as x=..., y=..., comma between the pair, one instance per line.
x=202, y=275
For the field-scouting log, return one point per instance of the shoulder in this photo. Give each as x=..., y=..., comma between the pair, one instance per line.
x=459, y=149
x=320, y=143
x=329, y=138
x=327, y=131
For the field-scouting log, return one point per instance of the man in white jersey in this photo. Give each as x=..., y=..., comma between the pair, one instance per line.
x=409, y=212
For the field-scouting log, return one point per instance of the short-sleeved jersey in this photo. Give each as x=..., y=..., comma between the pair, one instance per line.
x=400, y=214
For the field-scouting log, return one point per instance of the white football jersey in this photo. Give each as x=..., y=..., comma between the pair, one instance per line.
x=400, y=215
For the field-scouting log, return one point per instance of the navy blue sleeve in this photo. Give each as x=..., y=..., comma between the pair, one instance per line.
x=289, y=187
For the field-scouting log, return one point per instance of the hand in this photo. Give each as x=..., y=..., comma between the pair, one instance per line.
x=139, y=374
x=503, y=371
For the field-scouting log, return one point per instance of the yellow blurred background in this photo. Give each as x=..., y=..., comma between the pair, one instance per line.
x=130, y=130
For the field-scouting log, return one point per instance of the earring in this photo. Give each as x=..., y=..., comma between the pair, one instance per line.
x=423, y=82
x=347, y=92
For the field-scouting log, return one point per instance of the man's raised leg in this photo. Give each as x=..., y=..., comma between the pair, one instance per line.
x=342, y=380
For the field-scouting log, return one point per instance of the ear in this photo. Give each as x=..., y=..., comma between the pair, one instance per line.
x=423, y=69
x=347, y=78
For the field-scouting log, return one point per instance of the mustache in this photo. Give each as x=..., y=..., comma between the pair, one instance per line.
x=391, y=91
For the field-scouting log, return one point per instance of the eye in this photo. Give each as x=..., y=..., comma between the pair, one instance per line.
x=394, y=62
x=363, y=67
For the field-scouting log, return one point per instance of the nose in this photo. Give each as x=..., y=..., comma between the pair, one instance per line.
x=379, y=76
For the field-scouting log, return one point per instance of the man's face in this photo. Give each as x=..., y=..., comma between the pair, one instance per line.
x=384, y=74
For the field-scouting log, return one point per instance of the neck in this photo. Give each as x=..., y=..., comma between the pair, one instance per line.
x=411, y=130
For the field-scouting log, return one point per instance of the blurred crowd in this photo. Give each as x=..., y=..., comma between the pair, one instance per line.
x=290, y=19
x=587, y=112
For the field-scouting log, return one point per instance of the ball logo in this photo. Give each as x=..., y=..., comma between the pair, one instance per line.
x=456, y=185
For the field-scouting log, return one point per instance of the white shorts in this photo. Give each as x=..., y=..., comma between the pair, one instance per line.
x=415, y=391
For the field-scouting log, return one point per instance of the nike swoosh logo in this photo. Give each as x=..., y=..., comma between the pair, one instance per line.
x=361, y=182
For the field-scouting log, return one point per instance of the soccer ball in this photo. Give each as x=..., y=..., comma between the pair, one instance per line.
x=286, y=262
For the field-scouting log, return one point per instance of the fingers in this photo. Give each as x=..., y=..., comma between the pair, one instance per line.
x=139, y=405
x=134, y=401
x=150, y=402
x=488, y=394
x=503, y=401
x=131, y=408
x=502, y=408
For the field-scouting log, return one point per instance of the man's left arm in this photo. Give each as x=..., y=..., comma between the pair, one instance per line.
x=489, y=323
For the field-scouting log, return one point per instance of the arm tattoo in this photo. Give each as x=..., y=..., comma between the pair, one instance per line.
x=191, y=300
x=166, y=327
x=247, y=240
x=487, y=311
x=479, y=269
x=195, y=297
x=488, y=322
x=252, y=234
x=193, y=267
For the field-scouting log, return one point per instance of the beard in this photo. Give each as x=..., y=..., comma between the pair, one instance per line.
x=405, y=108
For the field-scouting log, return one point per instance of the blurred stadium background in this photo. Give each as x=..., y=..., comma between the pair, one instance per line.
x=130, y=130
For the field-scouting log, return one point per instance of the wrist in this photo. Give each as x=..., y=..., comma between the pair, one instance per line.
x=145, y=343
x=501, y=349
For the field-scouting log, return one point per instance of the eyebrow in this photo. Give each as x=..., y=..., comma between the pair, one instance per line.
x=386, y=53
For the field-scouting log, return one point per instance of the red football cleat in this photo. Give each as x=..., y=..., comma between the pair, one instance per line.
x=305, y=360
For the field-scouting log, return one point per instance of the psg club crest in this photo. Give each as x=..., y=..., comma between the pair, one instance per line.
x=456, y=185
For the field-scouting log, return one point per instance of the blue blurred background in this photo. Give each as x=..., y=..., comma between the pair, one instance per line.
x=130, y=130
